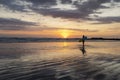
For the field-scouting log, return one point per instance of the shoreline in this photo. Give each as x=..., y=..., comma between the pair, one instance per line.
x=26, y=40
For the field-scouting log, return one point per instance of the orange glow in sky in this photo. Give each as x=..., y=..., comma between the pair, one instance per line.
x=64, y=33
x=59, y=19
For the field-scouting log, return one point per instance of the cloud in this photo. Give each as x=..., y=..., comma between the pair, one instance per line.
x=66, y=1
x=82, y=9
x=13, y=5
x=106, y=20
x=78, y=9
x=70, y=29
x=114, y=29
x=14, y=24
x=44, y=3
x=56, y=8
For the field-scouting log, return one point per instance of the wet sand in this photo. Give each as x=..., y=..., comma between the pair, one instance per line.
x=60, y=61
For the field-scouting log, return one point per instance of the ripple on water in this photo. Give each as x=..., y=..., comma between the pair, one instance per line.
x=72, y=66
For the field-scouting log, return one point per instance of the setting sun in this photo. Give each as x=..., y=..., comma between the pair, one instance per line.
x=64, y=33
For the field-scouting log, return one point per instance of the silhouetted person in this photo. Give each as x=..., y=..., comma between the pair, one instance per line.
x=83, y=39
x=83, y=44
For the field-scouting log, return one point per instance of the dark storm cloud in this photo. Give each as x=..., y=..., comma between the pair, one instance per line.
x=14, y=24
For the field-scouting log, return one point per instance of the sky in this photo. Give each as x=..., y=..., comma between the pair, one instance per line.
x=60, y=18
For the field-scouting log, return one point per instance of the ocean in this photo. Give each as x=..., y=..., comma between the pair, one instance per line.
x=97, y=60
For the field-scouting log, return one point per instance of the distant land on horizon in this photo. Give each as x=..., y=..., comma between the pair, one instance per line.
x=16, y=39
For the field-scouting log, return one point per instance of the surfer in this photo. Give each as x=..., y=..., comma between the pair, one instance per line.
x=83, y=39
x=83, y=44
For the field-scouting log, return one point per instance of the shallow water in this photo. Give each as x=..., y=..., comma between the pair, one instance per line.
x=60, y=61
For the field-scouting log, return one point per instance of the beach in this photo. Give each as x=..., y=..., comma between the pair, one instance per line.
x=98, y=60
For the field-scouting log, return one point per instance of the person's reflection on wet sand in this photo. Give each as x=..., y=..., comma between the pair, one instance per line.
x=83, y=50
